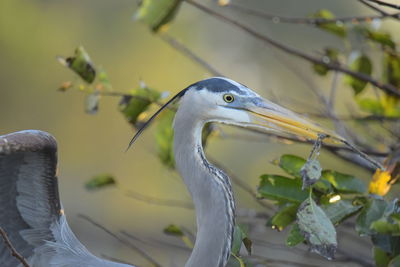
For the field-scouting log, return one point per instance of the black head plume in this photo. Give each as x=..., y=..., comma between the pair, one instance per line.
x=149, y=121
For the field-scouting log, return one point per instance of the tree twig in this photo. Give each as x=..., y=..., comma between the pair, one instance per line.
x=381, y=3
x=159, y=201
x=388, y=88
x=123, y=241
x=189, y=54
x=379, y=10
x=13, y=251
x=309, y=21
x=364, y=2
x=105, y=256
x=244, y=186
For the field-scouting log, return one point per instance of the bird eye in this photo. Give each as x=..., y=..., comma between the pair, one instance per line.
x=228, y=98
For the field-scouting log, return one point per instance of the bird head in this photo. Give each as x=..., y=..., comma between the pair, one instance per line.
x=226, y=101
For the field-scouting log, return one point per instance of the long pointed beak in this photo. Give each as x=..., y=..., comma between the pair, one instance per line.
x=270, y=116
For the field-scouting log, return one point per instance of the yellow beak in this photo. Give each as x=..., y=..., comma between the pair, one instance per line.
x=270, y=116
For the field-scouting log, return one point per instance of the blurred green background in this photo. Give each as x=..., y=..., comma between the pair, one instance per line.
x=34, y=32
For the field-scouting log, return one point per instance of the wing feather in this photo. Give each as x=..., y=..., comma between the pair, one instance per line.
x=29, y=199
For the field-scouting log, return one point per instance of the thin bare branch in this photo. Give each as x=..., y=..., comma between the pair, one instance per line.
x=309, y=21
x=378, y=118
x=381, y=3
x=243, y=185
x=116, y=260
x=277, y=262
x=157, y=243
x=379, y=10
x=366, y=3
x=159, y=201
x=123, y=241
x=332, y=93
x=366, y=118
x=189, y=54
x=13, y=251
x=388, y=88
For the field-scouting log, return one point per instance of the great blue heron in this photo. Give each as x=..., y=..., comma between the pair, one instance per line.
x=30, y=208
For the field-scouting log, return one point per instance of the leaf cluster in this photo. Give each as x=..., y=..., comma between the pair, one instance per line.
x=332, y=199
x=360, y=60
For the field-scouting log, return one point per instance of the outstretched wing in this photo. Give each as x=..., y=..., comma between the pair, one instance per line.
x=29, y=200
x=30, y=208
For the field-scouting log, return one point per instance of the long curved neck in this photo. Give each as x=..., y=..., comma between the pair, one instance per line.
x=211, y=191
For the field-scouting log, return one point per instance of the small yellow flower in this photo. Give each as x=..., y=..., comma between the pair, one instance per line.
x=380, y=184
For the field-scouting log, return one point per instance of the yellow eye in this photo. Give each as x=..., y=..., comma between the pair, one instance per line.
x=228, y=98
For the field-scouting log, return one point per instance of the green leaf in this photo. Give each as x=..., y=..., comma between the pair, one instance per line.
x=92, y=103
x=156, y=13
x=320, y=69
x=292, y=164
x=395, y=262
x=239, y=237
x=387, y=243
x=340, y=210
x=81, y=64
x=389, y=222
x=338, y=29
x=370, y=105
x=381, y=257
x=396, y=217
x=284, y=217
x=391, y=105
x=323, y=186
x=331, y=55
x=281, y=188
x=104, y=80
x=360, y=64
x=237, y=261
x=294, y=237
x=173, y=230
x=317, y=228
x=383, y=226
x=134, y=104
x=373, y=210
x=383, y=38
x=344, y=183
x=391, y=68
x=100, y=181
x=164, y=136
x=310, y=172
x=248, y=244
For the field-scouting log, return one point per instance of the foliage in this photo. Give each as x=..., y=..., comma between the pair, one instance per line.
x=174, y=230
x=133, y=105
x=164, y=136
x=343, y=196
x=137, y=102
x=240, y=237
x=100, y=181
x=330, y=55
x=361, y=64
x=338, y=29
x=157, y=13
x=81, y=64
x=317, y=228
